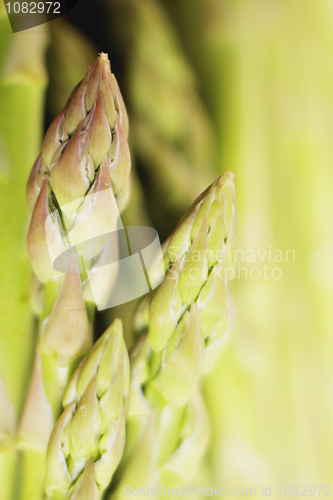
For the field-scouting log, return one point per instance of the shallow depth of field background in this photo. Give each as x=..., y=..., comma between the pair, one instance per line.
x=246, y=85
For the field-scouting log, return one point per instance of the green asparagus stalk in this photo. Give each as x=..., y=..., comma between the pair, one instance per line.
x=77, y=186
x=186, y=320
x=22, y=88
x=8, y=454
x=87, y=442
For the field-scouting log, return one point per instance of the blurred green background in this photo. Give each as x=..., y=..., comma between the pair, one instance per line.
x=210, y=85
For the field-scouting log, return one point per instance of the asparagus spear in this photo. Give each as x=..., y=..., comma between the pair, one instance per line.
x=87, y=442
x=77, y=186
x=186, y=320
x=198, y=257
x=82, y=172
x=22, y=88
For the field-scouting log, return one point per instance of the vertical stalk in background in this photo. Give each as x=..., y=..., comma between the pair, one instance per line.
x=8, y=455
x=171, y=131
x=267, y=75
x=22, y=87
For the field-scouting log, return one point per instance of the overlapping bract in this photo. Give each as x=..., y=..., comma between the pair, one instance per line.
x=198, y=259
x=87, y=442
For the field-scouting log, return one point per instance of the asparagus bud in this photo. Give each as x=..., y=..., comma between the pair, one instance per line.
x=198, y=257
x=85, y=152
x=87, y=442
